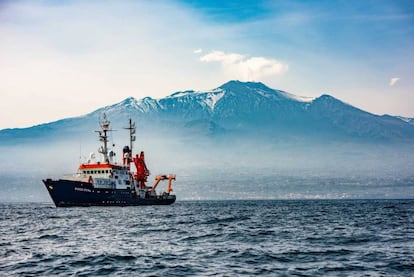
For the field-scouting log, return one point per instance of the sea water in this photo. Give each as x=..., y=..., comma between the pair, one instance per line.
x=209, y=238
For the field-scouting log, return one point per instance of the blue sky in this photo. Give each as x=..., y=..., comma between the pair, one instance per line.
x=67, y=58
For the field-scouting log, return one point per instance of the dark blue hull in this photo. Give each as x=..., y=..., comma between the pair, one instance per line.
x=68, y=193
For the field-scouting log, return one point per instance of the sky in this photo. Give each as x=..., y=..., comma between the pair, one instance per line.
x=66, y=58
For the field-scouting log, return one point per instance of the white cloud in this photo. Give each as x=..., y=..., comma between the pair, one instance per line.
x=394, y=81
x=198, y=51
x=219, y=56
x=237, y=66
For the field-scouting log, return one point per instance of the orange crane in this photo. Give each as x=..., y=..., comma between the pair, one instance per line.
x=159, y=178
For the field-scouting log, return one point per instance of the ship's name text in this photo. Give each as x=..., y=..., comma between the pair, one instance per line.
x=83, y=189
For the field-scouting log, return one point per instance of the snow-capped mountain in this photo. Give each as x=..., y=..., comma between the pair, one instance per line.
x=248, y=108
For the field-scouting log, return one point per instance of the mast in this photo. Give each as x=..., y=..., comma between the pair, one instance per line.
x=127, y=151
x=103, y=136
x=132, y=137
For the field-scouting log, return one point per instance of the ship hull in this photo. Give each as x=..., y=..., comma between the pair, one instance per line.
x=69, y=193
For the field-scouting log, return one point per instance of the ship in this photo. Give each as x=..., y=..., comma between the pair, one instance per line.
x=109, y=183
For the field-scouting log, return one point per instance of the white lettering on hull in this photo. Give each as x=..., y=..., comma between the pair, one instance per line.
x=83, y=189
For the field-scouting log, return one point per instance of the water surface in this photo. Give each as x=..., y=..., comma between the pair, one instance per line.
x=207, y=238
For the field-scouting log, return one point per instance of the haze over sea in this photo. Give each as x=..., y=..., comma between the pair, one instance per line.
x=208, y=238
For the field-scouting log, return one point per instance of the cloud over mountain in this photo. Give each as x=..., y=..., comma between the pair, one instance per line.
x=242, y=67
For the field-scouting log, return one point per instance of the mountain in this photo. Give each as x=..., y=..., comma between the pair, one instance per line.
x=241, y=140
x=246, y=109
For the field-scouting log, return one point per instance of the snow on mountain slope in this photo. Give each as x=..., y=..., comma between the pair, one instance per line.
x=263, y=90
x=406, y=119
x=213, y=98
x=205, y=98
x=231, y=99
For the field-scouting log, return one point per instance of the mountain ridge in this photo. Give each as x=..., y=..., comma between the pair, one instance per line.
x=238, y=107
